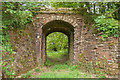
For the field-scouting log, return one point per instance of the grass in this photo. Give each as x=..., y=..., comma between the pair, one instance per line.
x=65, y=67
x=65, y=74
x=57, y=54
x=66, y=70
x=28, y=74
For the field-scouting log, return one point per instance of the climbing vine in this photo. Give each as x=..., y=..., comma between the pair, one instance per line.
x=106, y=26
x=14, y=16
x=7, y=56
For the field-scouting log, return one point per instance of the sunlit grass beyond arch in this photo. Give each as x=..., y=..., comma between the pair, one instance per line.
x=57, y=47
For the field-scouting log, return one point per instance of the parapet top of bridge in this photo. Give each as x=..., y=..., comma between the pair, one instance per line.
x=61, y=10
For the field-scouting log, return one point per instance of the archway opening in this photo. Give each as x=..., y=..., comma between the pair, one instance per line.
x=57, y=47
x=58, y=26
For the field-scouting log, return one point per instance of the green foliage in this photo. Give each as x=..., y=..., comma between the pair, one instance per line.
x=37, y=70
x=48, y=63
x=65, y=4
x=74, y=67
x=106, y=26
x=27, y=75
x=65, y=66
x=57, y=41
x=60, y=66
x=52, y=63
x=57, y=67
x=7, y=71
x=7, y=56
x=17, y=16
x=101, y=75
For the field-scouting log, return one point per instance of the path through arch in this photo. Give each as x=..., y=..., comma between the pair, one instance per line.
x=57, y=47
x=58, y=26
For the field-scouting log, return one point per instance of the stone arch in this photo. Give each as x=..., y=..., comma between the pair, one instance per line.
x=74, y=20
x=58, y=26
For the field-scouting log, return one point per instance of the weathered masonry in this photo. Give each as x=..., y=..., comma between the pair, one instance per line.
x=31, y=46
x=67, y=23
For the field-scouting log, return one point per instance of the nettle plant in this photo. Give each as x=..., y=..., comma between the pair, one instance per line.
x=106, y=27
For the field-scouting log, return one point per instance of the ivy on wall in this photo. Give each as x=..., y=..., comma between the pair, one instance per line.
x=14, y=16
x=7, y=57
x=106, y=26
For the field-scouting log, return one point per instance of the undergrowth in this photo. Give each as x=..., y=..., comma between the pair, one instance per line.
x=66, y=70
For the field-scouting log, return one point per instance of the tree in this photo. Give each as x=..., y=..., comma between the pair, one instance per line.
x=57, y=41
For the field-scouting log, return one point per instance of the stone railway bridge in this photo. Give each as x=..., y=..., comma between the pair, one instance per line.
x=68, y=23
x=30, y=44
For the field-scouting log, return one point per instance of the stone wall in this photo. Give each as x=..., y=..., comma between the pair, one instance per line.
x=100, y=52
x=23, y=44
